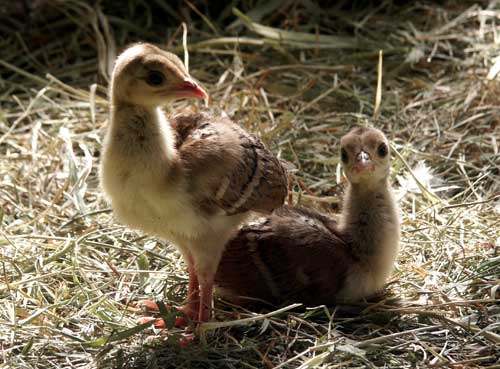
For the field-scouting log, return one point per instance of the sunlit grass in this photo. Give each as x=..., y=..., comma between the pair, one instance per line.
x=70, y=274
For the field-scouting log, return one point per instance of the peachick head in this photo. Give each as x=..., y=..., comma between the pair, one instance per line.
x=148, y=76
x=365, y=155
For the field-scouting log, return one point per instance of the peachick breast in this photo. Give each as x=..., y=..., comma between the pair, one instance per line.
x=171, y=217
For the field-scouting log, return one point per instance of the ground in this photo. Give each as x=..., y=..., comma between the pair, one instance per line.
x=70, y=274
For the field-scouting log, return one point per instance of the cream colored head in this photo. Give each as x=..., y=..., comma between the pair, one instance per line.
x=148, y=76
x=365, y=155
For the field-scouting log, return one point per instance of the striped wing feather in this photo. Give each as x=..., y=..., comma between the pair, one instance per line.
x=226, y=167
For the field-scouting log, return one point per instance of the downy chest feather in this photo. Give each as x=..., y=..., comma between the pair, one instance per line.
x=137, y=178
x=375, y=237
x=163, y=209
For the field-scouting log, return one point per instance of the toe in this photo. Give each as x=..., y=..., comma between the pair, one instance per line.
x=148, y=304
x=158, y=323
x=186, y=339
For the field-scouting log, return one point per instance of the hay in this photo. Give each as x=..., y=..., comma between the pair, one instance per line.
x=300, y=77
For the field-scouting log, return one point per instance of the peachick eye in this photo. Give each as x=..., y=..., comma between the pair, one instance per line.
x=343, y=155
x=382, y=150
x=155, y=78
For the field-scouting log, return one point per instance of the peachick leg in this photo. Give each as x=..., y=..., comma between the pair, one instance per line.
x=206, y=288
x=193, y=298
x=191, y=309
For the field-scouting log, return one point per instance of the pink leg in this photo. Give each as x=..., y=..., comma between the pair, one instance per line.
x=206, y=288
x=191, y=309
x=193, y=298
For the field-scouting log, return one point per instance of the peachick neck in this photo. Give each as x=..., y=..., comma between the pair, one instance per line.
x=369, y=217
x=141, y=131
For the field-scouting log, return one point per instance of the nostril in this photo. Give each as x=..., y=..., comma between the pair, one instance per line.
x=188, y=84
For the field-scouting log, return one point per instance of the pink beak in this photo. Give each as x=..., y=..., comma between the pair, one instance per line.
x=189, y=88
x=363, y=162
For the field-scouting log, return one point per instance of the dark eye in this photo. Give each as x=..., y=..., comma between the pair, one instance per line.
x=155, y=78
x=343, y=155
x=382, y=150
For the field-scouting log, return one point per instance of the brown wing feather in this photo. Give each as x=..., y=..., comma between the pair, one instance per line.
x=227, y=167
x=258, y=183
x=291, y=256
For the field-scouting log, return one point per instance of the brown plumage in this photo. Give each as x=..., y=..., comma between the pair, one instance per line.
x=300, y=255
x=190, y=179
x=251, y=179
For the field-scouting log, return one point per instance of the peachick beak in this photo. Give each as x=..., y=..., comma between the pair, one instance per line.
x=189, y=88
x=363, y=158
x=363, y=162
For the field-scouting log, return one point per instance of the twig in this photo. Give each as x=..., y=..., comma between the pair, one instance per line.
x=378, y=95
x=184, y=45
x=215, y=325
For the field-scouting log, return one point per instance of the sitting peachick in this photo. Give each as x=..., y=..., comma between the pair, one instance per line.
x=299, y=255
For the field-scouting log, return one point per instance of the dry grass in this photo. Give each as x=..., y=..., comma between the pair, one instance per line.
x=70, y=273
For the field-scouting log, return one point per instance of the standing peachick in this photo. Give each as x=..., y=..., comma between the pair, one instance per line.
x=189, y=179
